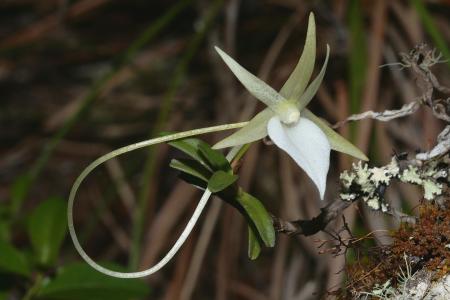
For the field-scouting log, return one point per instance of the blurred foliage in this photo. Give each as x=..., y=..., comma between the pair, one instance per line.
x=33, y=270
x=79, y=281
x=47, y=228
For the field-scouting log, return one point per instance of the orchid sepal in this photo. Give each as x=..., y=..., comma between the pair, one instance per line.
x=258, y=88
x=337, y=141
x=295, y=85
x=255, y=130
x=312, y=89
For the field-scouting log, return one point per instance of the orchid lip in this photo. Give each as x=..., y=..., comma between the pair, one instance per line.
x=313, y=157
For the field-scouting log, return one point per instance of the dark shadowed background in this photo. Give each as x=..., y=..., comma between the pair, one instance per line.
x=79, y=78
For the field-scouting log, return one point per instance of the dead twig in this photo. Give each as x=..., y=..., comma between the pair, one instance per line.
x=316, y=224
x=420, y=59
x=385, y=116
x=440, y=149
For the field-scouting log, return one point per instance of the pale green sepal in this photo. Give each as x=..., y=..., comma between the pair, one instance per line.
x=337, y=142
x=255, y=130
x=258, y=88
x=299, y=78
x=314, y=86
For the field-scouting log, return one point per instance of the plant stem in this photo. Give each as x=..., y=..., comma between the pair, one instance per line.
x=34, y=288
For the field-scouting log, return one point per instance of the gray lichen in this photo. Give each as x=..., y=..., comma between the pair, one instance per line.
x=431, y=189
x=369, y=183
x=411, y=175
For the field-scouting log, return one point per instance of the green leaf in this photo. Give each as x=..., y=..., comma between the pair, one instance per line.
x=215, y=160
x=19, y=190
x=254, y=248
x=337, y=142
x=191, y=167
x=314, y=86
x=195, y=181
x=12, y=260
x=258, y=88
x=220, y=180
x=299, y=78
x=47, y=228
x=190, y=146
x=255, y=130
x=80, y=281
x=5, y=230
x=259, y=216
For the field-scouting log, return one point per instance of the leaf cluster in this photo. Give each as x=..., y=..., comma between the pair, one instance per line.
x=207, y=168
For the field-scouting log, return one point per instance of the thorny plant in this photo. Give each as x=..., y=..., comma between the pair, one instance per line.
x=305, y=137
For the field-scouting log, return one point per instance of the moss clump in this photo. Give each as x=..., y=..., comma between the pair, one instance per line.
x=423, y=246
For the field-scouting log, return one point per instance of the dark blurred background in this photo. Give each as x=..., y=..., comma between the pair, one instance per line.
x=79, y=78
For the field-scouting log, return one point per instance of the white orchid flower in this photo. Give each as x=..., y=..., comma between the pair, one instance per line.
x=292, y=127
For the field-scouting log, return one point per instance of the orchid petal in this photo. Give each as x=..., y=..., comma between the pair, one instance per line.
x=338, y=142
x=255, y=130
x=312, y=89
x=258, y=88
x=307, y=145
x=299, y=78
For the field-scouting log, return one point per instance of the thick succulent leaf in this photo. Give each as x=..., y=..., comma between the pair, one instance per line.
x=193, y=180
x=215, y=160
x=258, y=88
x=191, y=167
x=258, y=215
x=338, y=142
x=190, y=146
x=314, y=86
x=221, y=180
x=307, y=145
x=299, y=78
x=255, y=130
x=254, y=248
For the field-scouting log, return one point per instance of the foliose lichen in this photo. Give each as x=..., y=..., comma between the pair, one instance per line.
x=369, y=183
